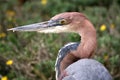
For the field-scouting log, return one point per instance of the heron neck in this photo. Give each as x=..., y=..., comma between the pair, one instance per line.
x=88, y=40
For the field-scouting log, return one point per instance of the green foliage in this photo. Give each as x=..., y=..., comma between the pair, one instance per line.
x=34, y=54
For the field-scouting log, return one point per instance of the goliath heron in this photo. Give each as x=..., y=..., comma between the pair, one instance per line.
x=73, y=61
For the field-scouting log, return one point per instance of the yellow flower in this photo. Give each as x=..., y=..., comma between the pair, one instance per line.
x=2, y=35
x=43, y=2
x=106, y=57
x=9, y=62
x=4, y=78
x=112, y=26
x=10, y=13
x=103, y=27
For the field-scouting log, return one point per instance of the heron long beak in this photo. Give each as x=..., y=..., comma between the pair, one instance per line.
x=32, y=27
x=51, y=26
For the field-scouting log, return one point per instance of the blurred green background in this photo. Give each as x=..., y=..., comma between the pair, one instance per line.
x=31, y=55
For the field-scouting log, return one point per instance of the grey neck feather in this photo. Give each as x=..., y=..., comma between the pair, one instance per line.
x=62, y=53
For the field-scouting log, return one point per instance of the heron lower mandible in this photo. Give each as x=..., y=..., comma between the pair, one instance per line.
x=71, y=63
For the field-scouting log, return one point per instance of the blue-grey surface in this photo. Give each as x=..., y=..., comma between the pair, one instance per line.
x=87, y=69
x=62, y=53
x=69, y=78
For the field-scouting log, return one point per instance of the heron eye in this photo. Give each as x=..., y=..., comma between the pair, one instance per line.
x=63, y=21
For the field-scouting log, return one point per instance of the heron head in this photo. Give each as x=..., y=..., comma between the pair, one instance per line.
x=63, y=22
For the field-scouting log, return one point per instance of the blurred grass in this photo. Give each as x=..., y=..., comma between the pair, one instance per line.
x=34, y=54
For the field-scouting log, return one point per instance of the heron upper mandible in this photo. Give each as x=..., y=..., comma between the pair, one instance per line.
x=73, y=61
